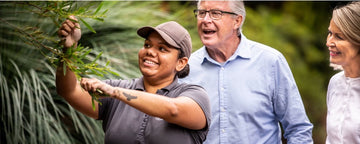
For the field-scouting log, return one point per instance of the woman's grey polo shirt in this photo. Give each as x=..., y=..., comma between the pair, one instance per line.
x=125, y=124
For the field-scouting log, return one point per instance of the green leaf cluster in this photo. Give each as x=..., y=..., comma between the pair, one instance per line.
x=30, y=113
x=75, y=58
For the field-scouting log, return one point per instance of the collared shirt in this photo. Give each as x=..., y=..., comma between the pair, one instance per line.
x=125, y=124
x=250, y=94
x=343, y=114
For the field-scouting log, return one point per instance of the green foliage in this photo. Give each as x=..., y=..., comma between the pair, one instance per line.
x=74, y=58
x=31, y=114
x=49, y=44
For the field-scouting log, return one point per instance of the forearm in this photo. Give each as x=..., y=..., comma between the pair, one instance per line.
x=68, y=87
x=65, y=81
x=182, y=111
x=152, y=104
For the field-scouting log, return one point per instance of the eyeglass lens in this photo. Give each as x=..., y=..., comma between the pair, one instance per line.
x=214, y=14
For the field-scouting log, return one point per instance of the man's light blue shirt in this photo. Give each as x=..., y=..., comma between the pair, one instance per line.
x=250, y=94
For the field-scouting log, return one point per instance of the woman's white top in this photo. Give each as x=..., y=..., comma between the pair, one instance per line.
x=343, y=110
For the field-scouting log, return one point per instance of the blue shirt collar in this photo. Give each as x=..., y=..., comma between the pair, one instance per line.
x=244, y=48
x=243, y=51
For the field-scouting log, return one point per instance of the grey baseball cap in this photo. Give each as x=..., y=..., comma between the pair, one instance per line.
x=173, y=33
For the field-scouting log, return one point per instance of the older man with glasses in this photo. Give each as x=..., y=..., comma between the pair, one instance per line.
x=251, y=88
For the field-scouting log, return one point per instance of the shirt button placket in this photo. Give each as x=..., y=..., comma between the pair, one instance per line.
x=223, y=116
x=140, y=136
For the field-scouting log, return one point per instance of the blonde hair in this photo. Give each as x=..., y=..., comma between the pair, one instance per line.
x=347, y=19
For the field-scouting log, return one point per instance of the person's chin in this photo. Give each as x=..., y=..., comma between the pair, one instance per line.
x=148, y=74
x=147, y=71
x=334, y=61
x=207, y=40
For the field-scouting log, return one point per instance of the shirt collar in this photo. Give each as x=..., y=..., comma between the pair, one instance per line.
x=163, y=91
x=243, y=51
x=171, y=86
x=139, y=84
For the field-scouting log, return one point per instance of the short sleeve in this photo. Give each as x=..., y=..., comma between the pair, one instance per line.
x=199, y=95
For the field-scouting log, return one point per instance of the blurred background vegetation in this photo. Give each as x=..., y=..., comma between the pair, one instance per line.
x=32, y=112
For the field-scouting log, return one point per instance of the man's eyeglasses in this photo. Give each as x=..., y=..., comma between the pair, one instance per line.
x=214, y=14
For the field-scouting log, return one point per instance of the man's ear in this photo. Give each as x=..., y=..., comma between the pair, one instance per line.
x=238, y=21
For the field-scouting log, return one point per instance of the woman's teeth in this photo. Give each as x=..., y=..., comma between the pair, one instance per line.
x=149, y=62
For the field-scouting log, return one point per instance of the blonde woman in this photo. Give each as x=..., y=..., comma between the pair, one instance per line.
x=343, y=96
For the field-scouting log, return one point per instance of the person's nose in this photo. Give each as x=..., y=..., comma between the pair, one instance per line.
x=207, y=17
x=151, y=52
x=330, y=41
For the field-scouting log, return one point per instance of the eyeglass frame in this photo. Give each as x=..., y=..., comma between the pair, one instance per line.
x=210, y=15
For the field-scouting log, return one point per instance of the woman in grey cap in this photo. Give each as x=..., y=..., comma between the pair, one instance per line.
x=152, y=109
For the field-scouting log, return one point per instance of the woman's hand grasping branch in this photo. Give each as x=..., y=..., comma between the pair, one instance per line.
x=70, y=32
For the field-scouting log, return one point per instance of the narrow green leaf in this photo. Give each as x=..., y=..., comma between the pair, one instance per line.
x=85, y=54
x=69, y=51
x=73, y=20
x=99, y=19
x=81, y=10
x=93, y=102
x=78, y=60
x=97, y=57
x=87, y=25
x=96, y=73
x=99, y=91
x=64, y=68
x=99, y=7
x=104, y=12
x=114, y=73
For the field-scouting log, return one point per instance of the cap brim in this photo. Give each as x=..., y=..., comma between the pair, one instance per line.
x=145, y=32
